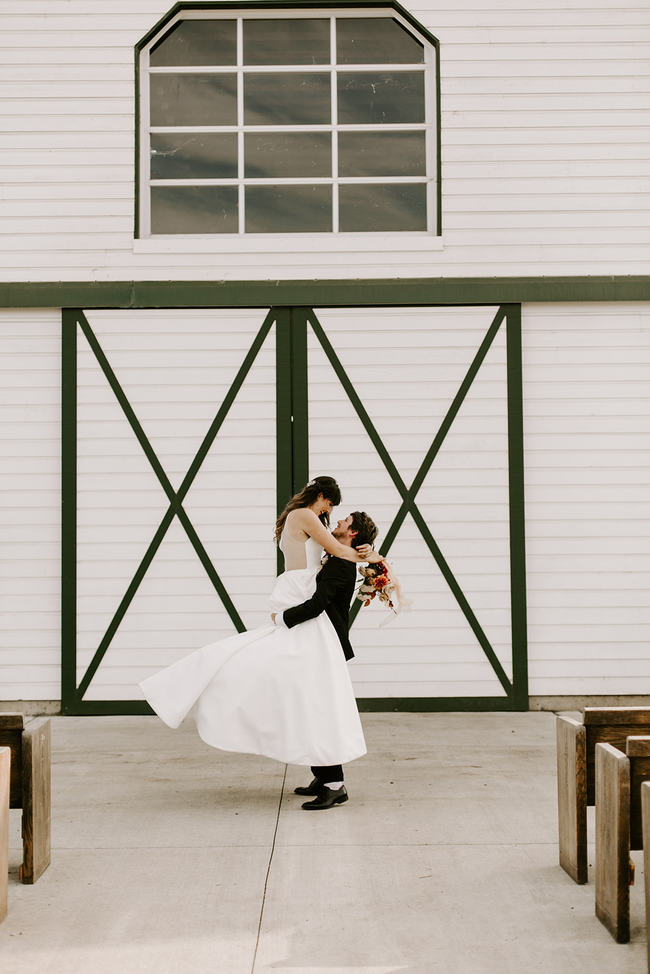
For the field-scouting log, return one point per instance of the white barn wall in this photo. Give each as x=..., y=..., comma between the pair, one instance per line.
x=30, y=512
x=545, y=135
x=586, y=371
x=545, y=146
x=587, y=433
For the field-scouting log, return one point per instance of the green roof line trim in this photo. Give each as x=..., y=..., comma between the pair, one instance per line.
x=324, y=293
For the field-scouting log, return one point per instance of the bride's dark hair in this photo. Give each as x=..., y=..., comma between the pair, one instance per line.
x=326, y=486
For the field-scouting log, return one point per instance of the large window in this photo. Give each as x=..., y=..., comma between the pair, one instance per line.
x=287, y=121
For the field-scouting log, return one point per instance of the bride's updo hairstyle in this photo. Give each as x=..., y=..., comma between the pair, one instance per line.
x=326, y=486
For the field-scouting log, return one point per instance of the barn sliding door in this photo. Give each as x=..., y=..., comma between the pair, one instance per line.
x=417, y=412
x=184, y=431
x=169, y=491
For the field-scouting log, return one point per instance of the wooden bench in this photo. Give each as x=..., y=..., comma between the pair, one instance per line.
x=30, y=787
x=645, y=826
x=576, y=744
x=5, y=773
x=619, y=829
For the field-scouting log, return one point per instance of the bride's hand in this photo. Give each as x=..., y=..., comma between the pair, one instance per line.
x=368, y=553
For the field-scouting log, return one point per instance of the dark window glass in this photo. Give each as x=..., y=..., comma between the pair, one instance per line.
x=287, y=99
x=193, y=99
x=382, y=154
x=197, y=42
x=194, y=209
x=372, y=97
x=398, y=206
x=376, y=40
x=194, y=155
x=286, y=154
x=288, y=209
x=295, y=41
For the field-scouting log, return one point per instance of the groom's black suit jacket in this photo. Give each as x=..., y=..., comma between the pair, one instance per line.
x=334, y=590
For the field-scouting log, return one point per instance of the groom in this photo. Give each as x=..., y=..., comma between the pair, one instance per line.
x=334, y=590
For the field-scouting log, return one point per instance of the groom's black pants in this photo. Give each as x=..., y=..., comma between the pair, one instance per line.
x=332, y=773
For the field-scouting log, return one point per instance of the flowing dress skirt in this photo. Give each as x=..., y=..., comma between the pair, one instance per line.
x=283, y=693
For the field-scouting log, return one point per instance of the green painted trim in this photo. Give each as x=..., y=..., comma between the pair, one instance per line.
x=424, y=705
x=518, y=612
x=409, y=500
x=110, y=708
x=299, y=400
x=414, y=705
x=291, y=412
x=283, y=446
x=175, y=498
x=367, y=293
x=68, y=510
x=266, y=4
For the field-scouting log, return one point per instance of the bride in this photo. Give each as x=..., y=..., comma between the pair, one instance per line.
x=279, y=692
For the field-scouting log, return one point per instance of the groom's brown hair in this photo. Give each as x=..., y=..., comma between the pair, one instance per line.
x=365, y=527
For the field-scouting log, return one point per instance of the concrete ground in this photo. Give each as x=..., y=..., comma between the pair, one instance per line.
x=169, y=857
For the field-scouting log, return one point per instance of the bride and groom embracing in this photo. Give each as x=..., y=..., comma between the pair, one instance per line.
x=284, y=690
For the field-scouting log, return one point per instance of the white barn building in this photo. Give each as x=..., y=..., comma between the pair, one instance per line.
x=248, y=243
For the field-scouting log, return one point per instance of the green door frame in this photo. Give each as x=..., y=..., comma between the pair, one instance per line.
x=292, y=422
x=292, y=452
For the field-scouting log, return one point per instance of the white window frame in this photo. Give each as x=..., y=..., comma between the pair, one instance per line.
x=334, y=240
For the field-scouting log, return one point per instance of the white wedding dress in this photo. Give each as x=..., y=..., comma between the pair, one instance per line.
x=284, y=693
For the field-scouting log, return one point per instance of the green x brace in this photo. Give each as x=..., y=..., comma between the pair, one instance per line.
x=517, y=690
x=408, y=495
x=175, y=497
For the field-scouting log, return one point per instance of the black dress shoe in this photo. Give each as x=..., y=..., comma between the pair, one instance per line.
x=327, y=798
x=312, y=789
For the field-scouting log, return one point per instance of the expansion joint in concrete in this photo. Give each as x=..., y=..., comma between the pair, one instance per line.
x=268, y=870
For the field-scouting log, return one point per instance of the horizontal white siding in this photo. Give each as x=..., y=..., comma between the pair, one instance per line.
x=587, y=456
x=30, y=504
x=545, y=134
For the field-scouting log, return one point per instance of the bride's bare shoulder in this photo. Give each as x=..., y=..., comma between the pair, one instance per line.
x=301, y=515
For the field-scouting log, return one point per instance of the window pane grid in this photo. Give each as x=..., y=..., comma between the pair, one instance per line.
x=286, y=68
x=335, y=138
x=289, y=181
x=352, y=127
x=241, y=199
x=377, y=75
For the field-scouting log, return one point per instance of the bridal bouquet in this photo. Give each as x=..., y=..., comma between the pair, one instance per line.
x=380, y=580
